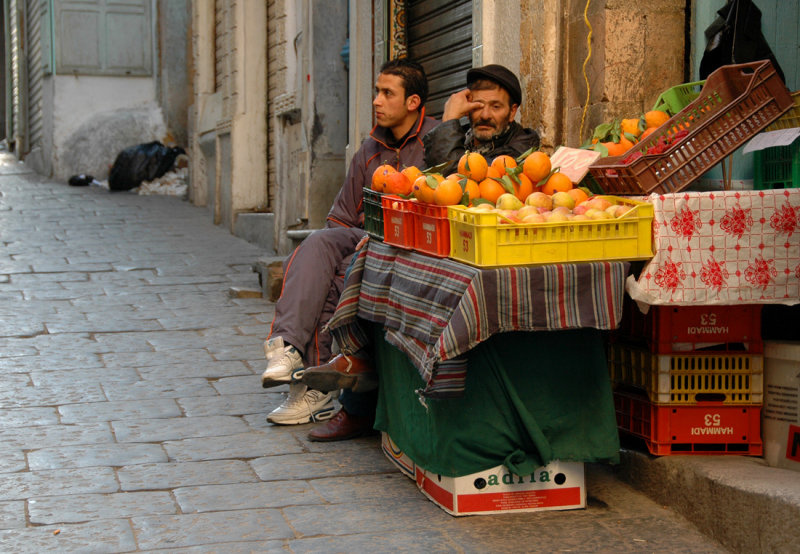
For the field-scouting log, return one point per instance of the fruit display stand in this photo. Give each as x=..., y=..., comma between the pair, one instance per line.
x=736, y=102
x=460, y=391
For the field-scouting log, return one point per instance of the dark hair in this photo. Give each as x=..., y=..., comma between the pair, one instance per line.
x=413, y=75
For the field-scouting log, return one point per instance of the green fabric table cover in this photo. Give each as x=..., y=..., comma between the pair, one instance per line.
x=530, y=397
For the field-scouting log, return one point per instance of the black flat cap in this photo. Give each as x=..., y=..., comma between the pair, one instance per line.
x=500, y=75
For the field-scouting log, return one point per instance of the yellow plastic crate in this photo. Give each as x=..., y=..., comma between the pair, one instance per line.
x=480, y=239
x=688, y=378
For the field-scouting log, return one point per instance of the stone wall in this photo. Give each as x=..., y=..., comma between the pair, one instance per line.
x=637, y=52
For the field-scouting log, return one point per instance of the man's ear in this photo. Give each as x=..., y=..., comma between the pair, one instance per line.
x=413, y=102
x=513, y=112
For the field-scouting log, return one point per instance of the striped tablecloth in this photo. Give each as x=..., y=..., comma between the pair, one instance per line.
x=435, y=310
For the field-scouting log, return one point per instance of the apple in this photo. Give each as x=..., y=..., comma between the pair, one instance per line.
x=564, y=199
x=526, y=210
x=597, y=203
x=533, y=218
x=539, y=200
x=612, y=210
x=508, y=216
x=562, y=210
x=622, y=210
x=508, y=201
x=580, y=209
x=555, y=217
x=579, y=217
x=598, y=214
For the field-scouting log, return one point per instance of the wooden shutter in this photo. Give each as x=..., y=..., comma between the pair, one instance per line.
x=440, y=38
x=104, y=37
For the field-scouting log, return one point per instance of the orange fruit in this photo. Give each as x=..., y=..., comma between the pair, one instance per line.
x=524, y=188
x=614, y=148
x=411, y=172
x=491, y=189
x=422, y=190
x=625, y=144
x=578, y=195
x=630, y=126
x=473, y=165
x=448, y=193
x=536, y=166
x=492, y=172
x=397, y=183
x=502, y=162
x=558, y=182
x=647, y=132
x=655, y=118
x=471, y=188
x=379, y=176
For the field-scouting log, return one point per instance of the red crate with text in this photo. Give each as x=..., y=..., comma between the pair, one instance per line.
x=398, y=221
x=704, y=428
x=671, y=329
x=431, y=229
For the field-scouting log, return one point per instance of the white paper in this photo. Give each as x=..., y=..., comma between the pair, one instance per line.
x=573, y=162
x=781, y=137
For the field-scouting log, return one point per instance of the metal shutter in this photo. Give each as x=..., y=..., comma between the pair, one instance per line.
x=439, y=36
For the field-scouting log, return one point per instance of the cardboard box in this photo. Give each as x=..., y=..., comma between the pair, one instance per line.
x=781, y=413
x=397, y=456
x=557, y=486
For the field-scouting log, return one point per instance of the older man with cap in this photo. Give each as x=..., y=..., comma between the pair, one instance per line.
x=490, y=101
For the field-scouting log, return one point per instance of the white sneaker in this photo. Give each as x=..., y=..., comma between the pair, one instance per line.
x=284, y=363
x=303, y=405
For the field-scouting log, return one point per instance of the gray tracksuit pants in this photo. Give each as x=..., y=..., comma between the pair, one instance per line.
x=313, y=278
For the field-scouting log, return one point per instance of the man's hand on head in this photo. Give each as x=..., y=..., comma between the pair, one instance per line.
x=459, y=105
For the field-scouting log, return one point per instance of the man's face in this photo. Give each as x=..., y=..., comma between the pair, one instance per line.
x=391, y=106
x=496, y=113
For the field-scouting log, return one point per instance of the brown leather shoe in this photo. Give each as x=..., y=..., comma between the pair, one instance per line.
x=341, y=427
x=342, y=372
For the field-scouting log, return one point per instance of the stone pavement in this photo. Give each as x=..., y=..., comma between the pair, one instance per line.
x=132, y=417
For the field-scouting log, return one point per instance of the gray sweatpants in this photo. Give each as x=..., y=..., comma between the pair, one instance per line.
x=313, y=278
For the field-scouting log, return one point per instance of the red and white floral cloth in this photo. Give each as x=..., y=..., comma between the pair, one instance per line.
x=723, y=247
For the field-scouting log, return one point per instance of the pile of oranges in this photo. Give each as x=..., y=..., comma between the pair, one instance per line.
x=476, y=181
x=620, y=135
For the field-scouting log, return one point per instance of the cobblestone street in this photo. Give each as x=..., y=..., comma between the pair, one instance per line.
x=132, y=416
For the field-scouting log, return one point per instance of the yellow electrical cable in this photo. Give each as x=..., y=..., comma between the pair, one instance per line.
x=586, y=61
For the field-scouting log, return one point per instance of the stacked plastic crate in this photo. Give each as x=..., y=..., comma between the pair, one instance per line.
x=778, y=167
x=689, y=379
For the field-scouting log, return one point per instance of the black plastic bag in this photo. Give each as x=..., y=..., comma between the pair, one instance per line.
x=143, y=162
x=735, y=37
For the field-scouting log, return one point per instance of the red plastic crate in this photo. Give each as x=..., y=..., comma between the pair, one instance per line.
x=431, y=229
x=737, y=101
x=710, y=328
x=398, y=221
x=704, y=428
